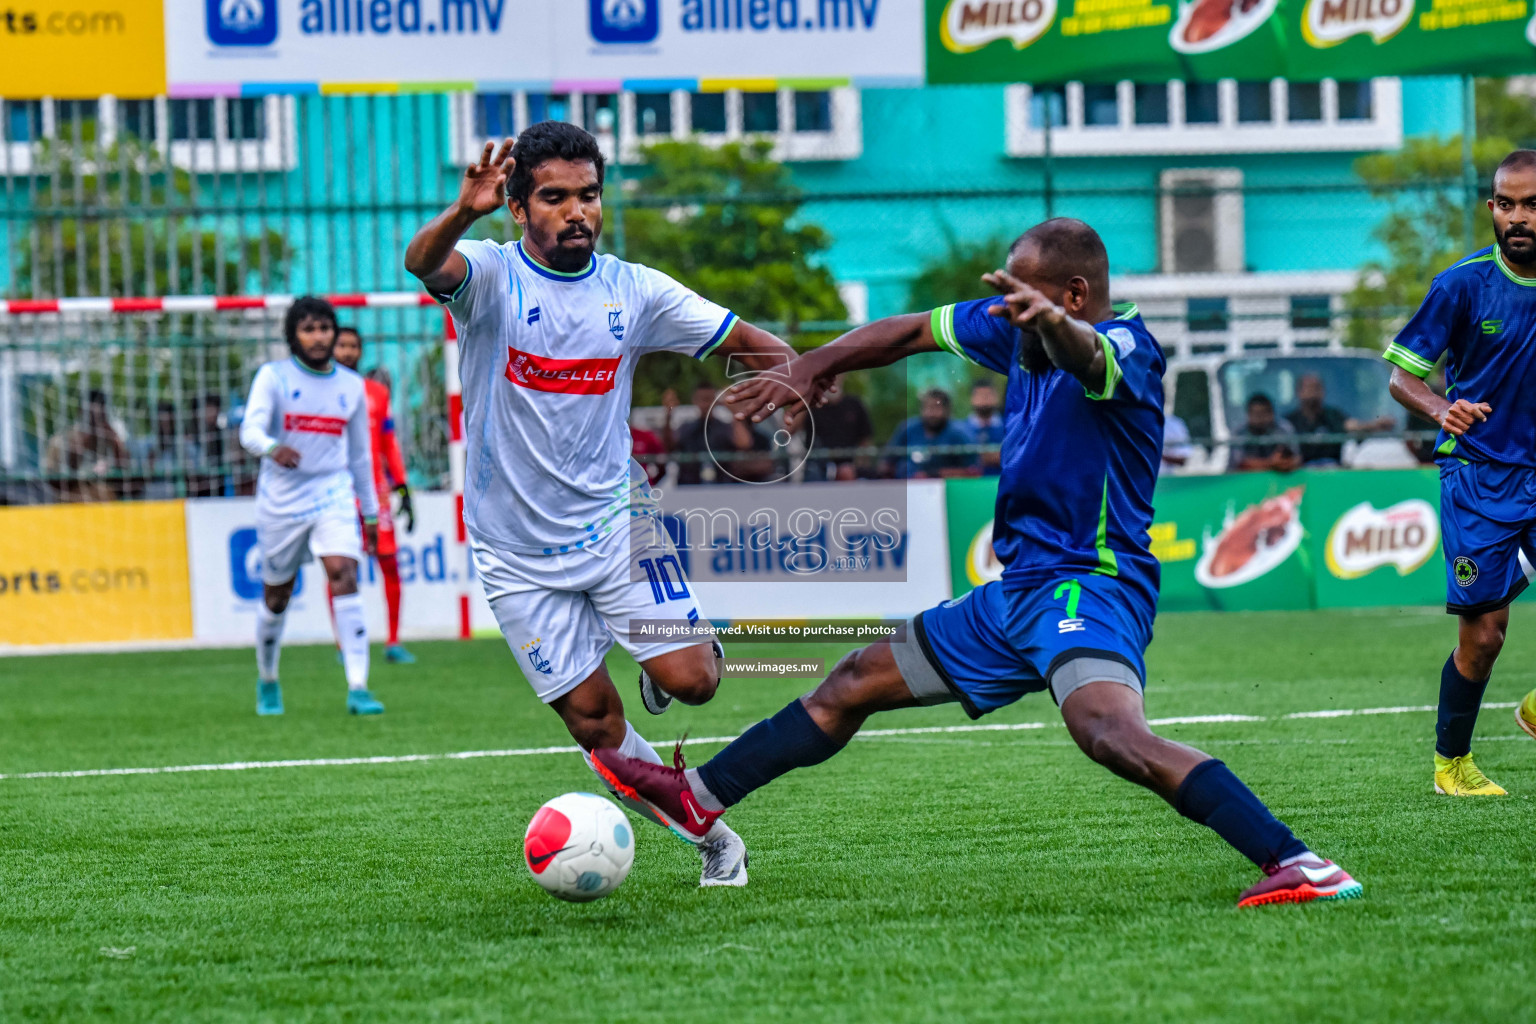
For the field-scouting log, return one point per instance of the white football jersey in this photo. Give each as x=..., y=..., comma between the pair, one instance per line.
x=323, y=417
x=547, y=362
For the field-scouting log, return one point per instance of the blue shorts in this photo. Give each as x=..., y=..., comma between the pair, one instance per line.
x=1487, y=518
x=990, y=647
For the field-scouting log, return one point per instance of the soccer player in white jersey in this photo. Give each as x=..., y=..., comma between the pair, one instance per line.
x=307, y=420
x=561, y=518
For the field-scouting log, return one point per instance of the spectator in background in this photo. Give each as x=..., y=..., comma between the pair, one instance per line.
x=648, y=450
x=843, y=422
x=1313, y=417
x=86, y=461
x=1270, y=443
x=207, y=480
x=712, y=442
x=986, y=425
x=933, y=428
x=161, y=463
x=1176, y=447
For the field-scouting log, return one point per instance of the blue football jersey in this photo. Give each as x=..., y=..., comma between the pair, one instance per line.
x=1078, y=468
x=1484, y=315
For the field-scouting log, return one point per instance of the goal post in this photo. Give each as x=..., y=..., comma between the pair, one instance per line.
x=138, y=399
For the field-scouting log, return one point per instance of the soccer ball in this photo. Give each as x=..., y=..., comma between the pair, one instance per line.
x=579, y=847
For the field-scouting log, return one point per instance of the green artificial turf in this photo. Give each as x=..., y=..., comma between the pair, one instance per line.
x=931, y=876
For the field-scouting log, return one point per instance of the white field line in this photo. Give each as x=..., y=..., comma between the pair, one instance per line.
x=867, y=734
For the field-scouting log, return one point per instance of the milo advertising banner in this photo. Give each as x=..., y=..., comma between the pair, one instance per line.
x=1260, y=541
x=1052, y=41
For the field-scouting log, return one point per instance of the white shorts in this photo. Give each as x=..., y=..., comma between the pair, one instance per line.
x=287, y=544
x=562, y=614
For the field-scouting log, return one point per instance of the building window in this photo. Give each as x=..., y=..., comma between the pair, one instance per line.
x=1254, y=102
x=1355, y=101
x=1304, y=101
x=759, y=112
x=495, y=115
x=1311, y=311
x=813, y=111
x=708, y=112
x=1151, y=104
x=1179, y=117
x=800, y=124
x=240, y=135
x=1052, y=101
x=1207, y=314
x=548, y=106
x=1202, y=103
x=1101, y=106
x=653, y=113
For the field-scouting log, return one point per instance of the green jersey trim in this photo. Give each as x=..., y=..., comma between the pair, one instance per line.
x=1529, y=282
x=1112, y=374
x=1125, y=310
x=1474, y=259
x=1109, y=565
x=1408, y=360
x=313, y=373
x=942, y=322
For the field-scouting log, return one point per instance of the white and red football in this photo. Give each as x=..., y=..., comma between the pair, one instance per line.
x=579, y=847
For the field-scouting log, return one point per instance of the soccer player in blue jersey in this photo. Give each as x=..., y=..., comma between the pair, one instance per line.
x=1083, y=426
x=1481, y=314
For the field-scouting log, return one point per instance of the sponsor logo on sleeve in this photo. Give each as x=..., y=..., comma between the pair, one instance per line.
x=1366, y=538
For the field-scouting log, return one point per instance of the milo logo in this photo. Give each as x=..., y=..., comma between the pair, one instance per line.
x=981, y=564
x=971, y=24
x=1330, y=22
x=1365, y=538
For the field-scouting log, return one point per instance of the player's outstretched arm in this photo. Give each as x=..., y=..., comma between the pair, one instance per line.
x=1070, y=344
x=431, y=256
x=880, y=343
x=1414, y=395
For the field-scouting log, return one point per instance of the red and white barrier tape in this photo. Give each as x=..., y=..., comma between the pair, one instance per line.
x=205, y=303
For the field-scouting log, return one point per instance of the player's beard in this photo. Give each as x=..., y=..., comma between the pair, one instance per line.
x=1525, y=257
x=1032, y=355
x=570, y=258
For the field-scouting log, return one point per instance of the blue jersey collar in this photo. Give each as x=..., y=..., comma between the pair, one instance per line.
x=557, y=275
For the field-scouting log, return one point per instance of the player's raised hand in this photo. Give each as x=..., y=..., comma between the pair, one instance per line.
x=285, y=457
x=1463, y=415
x=1021, y=303
x=484, y=188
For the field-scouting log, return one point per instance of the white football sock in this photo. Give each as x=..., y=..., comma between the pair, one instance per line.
x=269, y=641
x=352, y=634
x=633, y=746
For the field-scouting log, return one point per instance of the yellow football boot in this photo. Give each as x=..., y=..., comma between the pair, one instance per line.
x=1458, y=776
x=1525, y=714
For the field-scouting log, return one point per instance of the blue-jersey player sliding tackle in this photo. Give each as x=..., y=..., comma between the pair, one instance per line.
x=557, y=511
x=1073, y=611
x=1481, y=314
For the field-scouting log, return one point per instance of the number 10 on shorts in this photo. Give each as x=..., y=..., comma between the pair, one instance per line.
x=666, y=578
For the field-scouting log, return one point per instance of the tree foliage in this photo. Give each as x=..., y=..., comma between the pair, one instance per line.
x=955, y=276
x=1425, y=229
x=118, y=220
x=726, y=222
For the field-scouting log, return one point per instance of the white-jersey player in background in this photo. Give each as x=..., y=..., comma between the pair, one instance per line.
x=562, y=521
x=307, y=420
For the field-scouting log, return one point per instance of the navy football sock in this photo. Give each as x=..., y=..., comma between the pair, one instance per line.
x=1212, y=796
x=1460, y=698
x=790, y=739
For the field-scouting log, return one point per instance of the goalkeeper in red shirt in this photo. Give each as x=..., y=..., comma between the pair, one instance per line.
x=388, y=475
